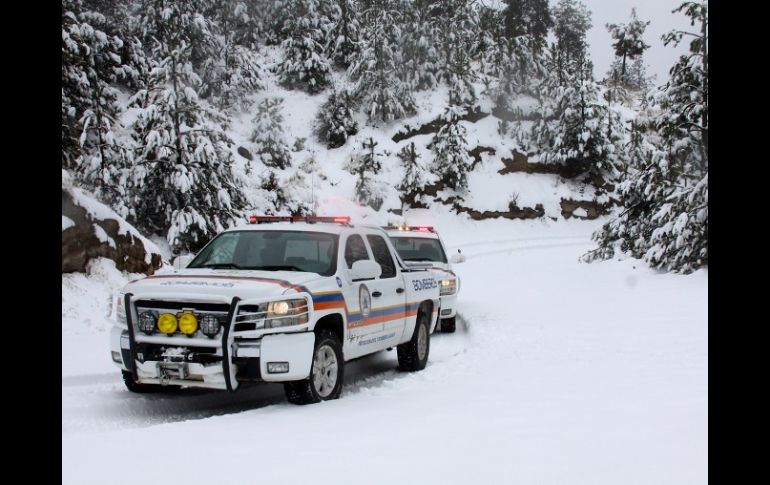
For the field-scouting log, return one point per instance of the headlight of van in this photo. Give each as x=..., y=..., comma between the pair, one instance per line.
x=285, y=313
x=448, y=287
x=119, y=309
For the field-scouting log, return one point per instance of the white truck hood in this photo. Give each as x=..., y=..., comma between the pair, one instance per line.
x=219, y=285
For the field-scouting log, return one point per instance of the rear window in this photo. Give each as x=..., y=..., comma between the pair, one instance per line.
x=419, y=249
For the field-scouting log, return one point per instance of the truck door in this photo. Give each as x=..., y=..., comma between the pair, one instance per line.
x=362, y=329
x=388, y=292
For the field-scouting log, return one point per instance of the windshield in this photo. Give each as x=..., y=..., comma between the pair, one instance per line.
x=419, y=249
x=314, y=252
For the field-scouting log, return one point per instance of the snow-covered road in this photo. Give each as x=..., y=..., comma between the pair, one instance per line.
x=560, y=372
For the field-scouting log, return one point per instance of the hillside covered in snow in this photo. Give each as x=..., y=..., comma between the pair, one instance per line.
x=185, y=116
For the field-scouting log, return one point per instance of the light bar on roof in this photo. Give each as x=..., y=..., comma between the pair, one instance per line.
x=254, y=219
x=404, y=227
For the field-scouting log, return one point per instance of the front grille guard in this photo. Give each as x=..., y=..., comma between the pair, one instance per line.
x=131, y=315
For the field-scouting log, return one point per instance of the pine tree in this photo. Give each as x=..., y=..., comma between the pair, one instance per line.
x=304, y=65
x=527, y=17
x=334, y=121
x=276, y=197
x=382, y=93
x=628, y=43
x=183, y=186
x=451, y=161
x=233, y=72
x=365, y=166
x=571, y=22
x=664, y=220
x=90, y=63
x=343, y=38
x=417, y=41
x=413, y=183
x=579, y=129
x=267, y=134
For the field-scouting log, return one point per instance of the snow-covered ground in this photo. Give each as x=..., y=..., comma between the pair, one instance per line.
x=560, y=372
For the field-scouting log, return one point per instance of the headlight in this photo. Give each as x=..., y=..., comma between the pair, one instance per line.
x=285, y=313
x=147, y=322
x=448, y=287
x=210, y=325
x=167, y=323
x=119, y=304
x=188, y=324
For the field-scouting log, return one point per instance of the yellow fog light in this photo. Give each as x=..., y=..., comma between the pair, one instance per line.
x=167, y=323
x=188, y=324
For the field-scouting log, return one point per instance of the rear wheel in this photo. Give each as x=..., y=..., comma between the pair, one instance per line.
x=413, y=355
x=448, y=325
x=326, y=373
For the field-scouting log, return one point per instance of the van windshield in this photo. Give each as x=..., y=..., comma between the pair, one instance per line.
x=313, y=252
x=419, y=249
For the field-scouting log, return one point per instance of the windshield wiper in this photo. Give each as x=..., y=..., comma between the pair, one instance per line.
x=220, y=266
x=277, y=268
x=417, y=259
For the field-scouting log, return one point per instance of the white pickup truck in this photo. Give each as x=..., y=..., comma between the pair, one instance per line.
x=284, y=299
x=423, y=244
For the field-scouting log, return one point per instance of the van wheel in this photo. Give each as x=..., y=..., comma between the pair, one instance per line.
x=413, y=355
x=448, y=325
x=326, y=373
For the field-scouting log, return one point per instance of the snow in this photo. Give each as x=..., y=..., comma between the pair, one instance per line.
x=100, y=211
x=560, y=372
x=66, y=223
x=102, y=236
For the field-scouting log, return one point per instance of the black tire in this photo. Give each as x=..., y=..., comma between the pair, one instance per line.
x=307, y=391
x=134, y=386
x=448, y=325
x=409, y=353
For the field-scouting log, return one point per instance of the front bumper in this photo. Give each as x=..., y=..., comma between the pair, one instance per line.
x=448, y=306
x=219, y=363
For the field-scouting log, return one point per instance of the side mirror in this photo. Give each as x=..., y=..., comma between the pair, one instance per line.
x=181, y=262
x=365, y=269
x=457, y=258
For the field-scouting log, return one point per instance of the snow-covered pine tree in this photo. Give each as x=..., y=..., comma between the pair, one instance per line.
x=628, y=45
x=456, y=43
x=451, y=161
x=365, y=165
x=418, y=39
x=461, y=76
x=584, y=132
x=383, y=94
x=527, y=17
x=334, y=121
x=342, y=40
x=519, y=60
x=267, y=134
x=413, y=183
x=571, y=22
x=664, y=218
x=183, y=186
x=233, y=72
x=275, y=196
x=304, y=65
x=90, y=62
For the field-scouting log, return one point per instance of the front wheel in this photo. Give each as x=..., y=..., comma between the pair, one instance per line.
x=448, y=325
x=413, y=355
x=326, y=373
x=134, y=386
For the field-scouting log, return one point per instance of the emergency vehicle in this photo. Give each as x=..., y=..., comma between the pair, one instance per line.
x=282, y=299
x=422, y=244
